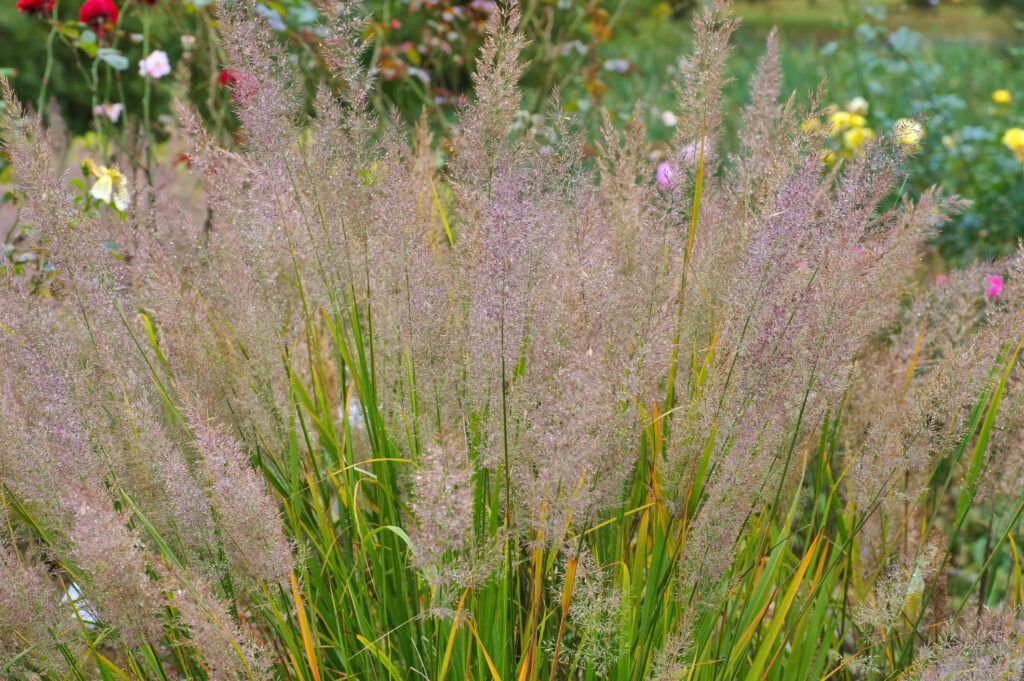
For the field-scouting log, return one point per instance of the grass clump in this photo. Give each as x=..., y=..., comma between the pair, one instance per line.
x=528, y=416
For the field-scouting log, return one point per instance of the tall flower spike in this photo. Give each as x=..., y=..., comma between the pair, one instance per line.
x=115, y=566
x=255, y=541
x=229, y=650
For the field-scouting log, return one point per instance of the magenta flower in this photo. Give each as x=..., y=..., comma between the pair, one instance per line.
x=664, y=174
x=995, y=287
x=941, y=279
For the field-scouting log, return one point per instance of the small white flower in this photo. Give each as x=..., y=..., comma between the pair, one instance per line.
x=573, y=46
x=419, y=73
x=617, y=65
x=669, y=118
x=858, y=105
x=156, y=65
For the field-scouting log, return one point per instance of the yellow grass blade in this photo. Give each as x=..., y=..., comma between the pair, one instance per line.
x=379, y=654
x=446, y=660
x=913, y=361
x=1017, y=596
x=567, y=587
x=444, y=218
x=781, y=609
x=307, y=636
x=495, y=676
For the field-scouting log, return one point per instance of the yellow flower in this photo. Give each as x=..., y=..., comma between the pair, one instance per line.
x=948, y=141
x=828, y=156
x=1014, y=140
x=854, y=138
x=111, y=187
x=811, y=125
x=1001, y=97
x=858, y=105
x=841, y=120
x=909, y=133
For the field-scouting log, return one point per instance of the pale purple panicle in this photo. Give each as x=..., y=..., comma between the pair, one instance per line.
x=33, y=610
x=248, y=518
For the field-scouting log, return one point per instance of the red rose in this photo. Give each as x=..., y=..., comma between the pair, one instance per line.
x=32, y=6
x=98, y=14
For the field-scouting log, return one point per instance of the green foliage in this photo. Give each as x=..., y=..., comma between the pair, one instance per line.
x=773, y=270
x=587, y=51
x=949, y=86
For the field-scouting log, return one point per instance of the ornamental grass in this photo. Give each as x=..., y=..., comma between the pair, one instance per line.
x=540, y=410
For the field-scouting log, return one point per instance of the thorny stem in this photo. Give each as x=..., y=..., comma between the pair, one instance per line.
x=93, y=79
x=41, y=103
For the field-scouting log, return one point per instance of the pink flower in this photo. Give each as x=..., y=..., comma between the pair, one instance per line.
x=995, y=287
x=941, y=279
x=858, y=250
x=691, y=153
x=156, y=65
x=664, y=174
x=111, y=111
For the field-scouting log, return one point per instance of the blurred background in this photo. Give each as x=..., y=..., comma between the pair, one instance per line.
x=955, y=67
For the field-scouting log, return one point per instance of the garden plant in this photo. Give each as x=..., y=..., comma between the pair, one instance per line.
x=327, y=399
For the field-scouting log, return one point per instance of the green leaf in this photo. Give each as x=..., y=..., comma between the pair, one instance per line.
x=113, y=57
x=974, y=471
x=87, y=43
